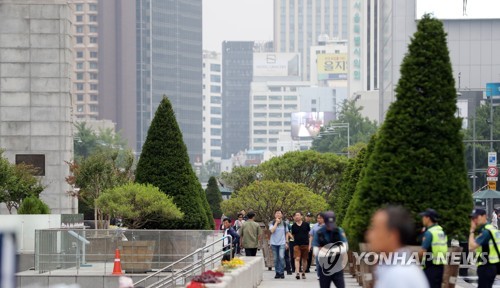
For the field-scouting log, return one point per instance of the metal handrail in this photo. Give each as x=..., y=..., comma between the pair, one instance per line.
x=188, y=256
x=183, y=273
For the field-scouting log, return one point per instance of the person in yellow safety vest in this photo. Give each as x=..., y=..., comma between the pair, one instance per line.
x=486, y=245
x=434, y=241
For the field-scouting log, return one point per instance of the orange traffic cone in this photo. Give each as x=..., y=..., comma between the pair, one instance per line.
x=117, y=268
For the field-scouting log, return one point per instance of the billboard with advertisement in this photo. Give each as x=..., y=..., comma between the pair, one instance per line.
x=492, y=89
x=308, y=124
x=332, y=66
x=276, y=64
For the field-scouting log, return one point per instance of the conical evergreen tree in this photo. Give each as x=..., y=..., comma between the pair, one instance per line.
x=164, y=163
x=208, y=210
x=418, y=159
x=214, y=197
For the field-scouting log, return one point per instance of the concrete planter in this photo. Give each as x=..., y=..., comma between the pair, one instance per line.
x=137, y=256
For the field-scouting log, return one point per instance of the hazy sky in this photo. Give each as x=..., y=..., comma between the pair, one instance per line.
x=253, y=19
x=236, y=20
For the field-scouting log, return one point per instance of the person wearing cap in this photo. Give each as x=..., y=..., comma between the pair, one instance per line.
x=309, y=256
x=330, y=234
x=319, y=223
x=486, y=245
x=434, y=241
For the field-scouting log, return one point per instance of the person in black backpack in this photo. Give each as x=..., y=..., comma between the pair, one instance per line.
x=226, y=246
x=328, y=239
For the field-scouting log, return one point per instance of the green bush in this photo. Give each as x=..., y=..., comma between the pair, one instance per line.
x=418, y=160
x=33, y=205
x=164, y=163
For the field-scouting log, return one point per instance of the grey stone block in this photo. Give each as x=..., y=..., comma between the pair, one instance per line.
x=44, y=26
x=15, y=11
x=43, y=70
x=15, y=128
x=33, y=281
x=14, y=41
x=46, y=85
x=92, y=281
x=14, y=84
x=44, y=40
x=44, y=11
x=15, y=25
x=53, y=158
x=45, y=55
x=46, y=114
x=17, y=143
x=14, y=113
x=46, y=99
x=45, y=128
x=15, y=69
x=55, y=280
x=45, y=143
x=12, y=55
x=14, y=98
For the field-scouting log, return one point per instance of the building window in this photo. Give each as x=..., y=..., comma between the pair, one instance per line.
x=93, y=108
x=93, y=54
x=93, y=87
x=79, y=65
x=93, y=76
x=260, y=97
x=92, y=7
x=79, y=7
x=275, y=106
x=93, y=40
x=93, y=98
x=275, y=115
x=275, y=123
x=215, y=67
x=93, y=29
x=92, y=18
x=216, y=142
x=274, y=132
x=215, y=153
x=79, y=76
x=259, y=106
x=79, y=97
x=79, y=86
x=290, y=107
x=273, y=140
x=214, y=89
x=287, y=115
x=79, y=54
x=259, y=132
x=216, y=131
x=275, y=98
x=291, y=98
x=259, y=140
x=215, y=78
x=259, y=115
x=93, y=65
x=79, y=39
x=79, y=108
x=287, y=123
x=215, y=99
x=259, y=123
x=79, y=18
x=216, y=110
x=79, y=29
x=216, y=121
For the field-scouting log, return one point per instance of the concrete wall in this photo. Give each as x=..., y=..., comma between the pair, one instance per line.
x=35, y=102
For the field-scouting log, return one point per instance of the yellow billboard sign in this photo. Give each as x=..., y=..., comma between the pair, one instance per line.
x=332, y=66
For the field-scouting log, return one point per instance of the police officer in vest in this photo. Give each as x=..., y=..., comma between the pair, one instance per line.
x=486, y=245
x=434, y=246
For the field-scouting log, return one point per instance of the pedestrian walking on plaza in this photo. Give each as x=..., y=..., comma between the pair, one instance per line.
x=319, y=223
x=238, y=223
x=309, y=219
x=391, y=229
x=289, y=258
x=300, y=232
x=250, y=235
x=228, y=230
x=278, y=242
x=435, y=242
x=330, y=240
x=486, y=245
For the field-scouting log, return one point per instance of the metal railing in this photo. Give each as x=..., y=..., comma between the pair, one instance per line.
x=194, y=268
x=94, y=250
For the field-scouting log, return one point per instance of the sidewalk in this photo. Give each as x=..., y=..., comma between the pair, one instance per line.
x=291, y=282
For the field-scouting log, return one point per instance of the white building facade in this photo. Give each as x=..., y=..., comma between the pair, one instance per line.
x=212, y=106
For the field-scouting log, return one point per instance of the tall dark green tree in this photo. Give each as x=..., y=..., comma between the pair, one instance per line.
x=164, y=163
x=418, y=159
x=214, y=197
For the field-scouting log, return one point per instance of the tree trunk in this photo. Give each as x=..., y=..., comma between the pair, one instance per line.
x=95, y=214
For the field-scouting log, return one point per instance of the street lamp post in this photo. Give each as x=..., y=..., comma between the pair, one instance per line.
x=331, y=130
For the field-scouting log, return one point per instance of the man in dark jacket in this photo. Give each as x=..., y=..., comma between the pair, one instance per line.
x=228, y=230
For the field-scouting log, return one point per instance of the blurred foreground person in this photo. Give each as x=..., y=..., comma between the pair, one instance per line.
x=390, y=230
x=486, y=245
x=8, y=261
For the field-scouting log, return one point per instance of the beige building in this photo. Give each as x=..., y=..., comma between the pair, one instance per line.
x=85, y=77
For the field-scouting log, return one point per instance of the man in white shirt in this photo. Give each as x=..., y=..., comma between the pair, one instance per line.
x=494, y=219
x=391, y=229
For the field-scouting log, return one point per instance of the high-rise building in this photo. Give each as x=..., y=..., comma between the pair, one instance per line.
x=212, y=106
x=35, y=100
x=237, y=71
x=85, y=87
x=473, y=46
x=299, y=23
x=169, y=49
x=117, y=66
